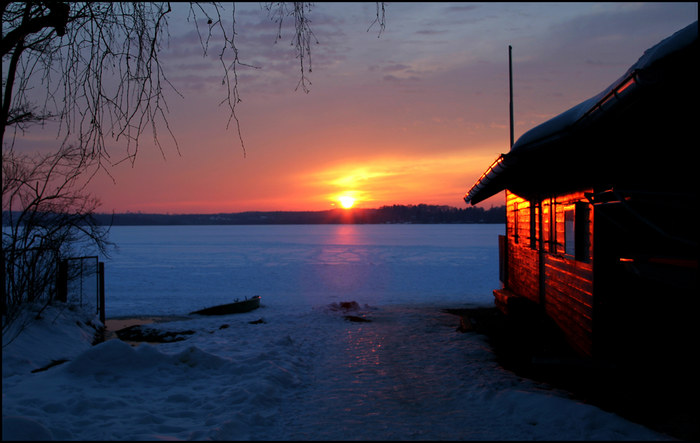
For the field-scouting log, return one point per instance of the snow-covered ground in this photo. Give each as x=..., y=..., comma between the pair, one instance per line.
x=304, y=372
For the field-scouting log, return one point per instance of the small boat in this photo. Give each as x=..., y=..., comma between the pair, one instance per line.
x=236, y=307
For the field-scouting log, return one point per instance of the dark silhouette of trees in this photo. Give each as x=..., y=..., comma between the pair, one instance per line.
x=417, y=214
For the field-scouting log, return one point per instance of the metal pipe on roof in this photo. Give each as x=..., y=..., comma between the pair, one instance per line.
x=510, y=80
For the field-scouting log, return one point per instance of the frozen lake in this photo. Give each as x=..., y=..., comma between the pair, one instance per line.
x=294, y=369
x=173, y=270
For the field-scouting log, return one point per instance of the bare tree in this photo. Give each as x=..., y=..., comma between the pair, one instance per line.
x=94, y=69
x=99, y=65
x=46, y=217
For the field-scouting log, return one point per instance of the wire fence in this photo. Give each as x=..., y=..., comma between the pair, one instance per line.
x=81, y=282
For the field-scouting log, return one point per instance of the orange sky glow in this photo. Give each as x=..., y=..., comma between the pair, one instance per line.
x=411, y=116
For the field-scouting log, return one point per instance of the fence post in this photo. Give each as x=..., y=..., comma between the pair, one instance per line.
x=102, y=291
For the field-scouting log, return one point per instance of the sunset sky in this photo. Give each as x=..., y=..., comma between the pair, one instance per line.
x=411, y=116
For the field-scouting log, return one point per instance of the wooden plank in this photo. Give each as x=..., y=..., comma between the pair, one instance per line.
x=581, y=304
x=569, y=282
x=566, y=303
x=523, y=271
x=578, y=275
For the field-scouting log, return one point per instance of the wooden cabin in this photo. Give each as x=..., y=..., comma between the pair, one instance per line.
x=602, y=210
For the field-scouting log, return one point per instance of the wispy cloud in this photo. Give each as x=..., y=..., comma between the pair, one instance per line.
x=412, y=116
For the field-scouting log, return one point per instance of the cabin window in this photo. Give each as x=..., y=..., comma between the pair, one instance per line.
x=552, y=222
x=524, y=227
x=570, y=231
x=576, y=231
x=516, y=217
x=533, y=225
x=522, y=223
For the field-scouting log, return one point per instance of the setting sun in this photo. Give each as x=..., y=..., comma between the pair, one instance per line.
x=346, y=201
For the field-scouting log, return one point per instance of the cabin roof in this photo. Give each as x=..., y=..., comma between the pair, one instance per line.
x=655, y=87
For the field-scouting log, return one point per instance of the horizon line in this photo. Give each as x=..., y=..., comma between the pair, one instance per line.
x=299, y=211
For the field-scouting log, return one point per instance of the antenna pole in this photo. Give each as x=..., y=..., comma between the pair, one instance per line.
x=510, y=79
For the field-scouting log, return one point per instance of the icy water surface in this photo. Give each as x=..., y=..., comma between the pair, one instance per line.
x=171, y=270
x=296, y=368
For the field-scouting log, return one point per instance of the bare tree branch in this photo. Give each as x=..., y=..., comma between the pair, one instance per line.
x=46, y=215
x=95, y=70
x=100, y=69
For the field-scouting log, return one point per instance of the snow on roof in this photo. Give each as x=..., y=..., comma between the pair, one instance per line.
x=558, y=127
x=661, y=50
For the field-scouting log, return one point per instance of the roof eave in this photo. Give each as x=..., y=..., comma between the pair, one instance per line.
x=576, y=120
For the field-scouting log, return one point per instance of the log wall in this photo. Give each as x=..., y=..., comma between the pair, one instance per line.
x=541, y=270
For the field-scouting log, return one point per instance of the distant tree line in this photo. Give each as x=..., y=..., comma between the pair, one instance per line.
x=421, y=213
